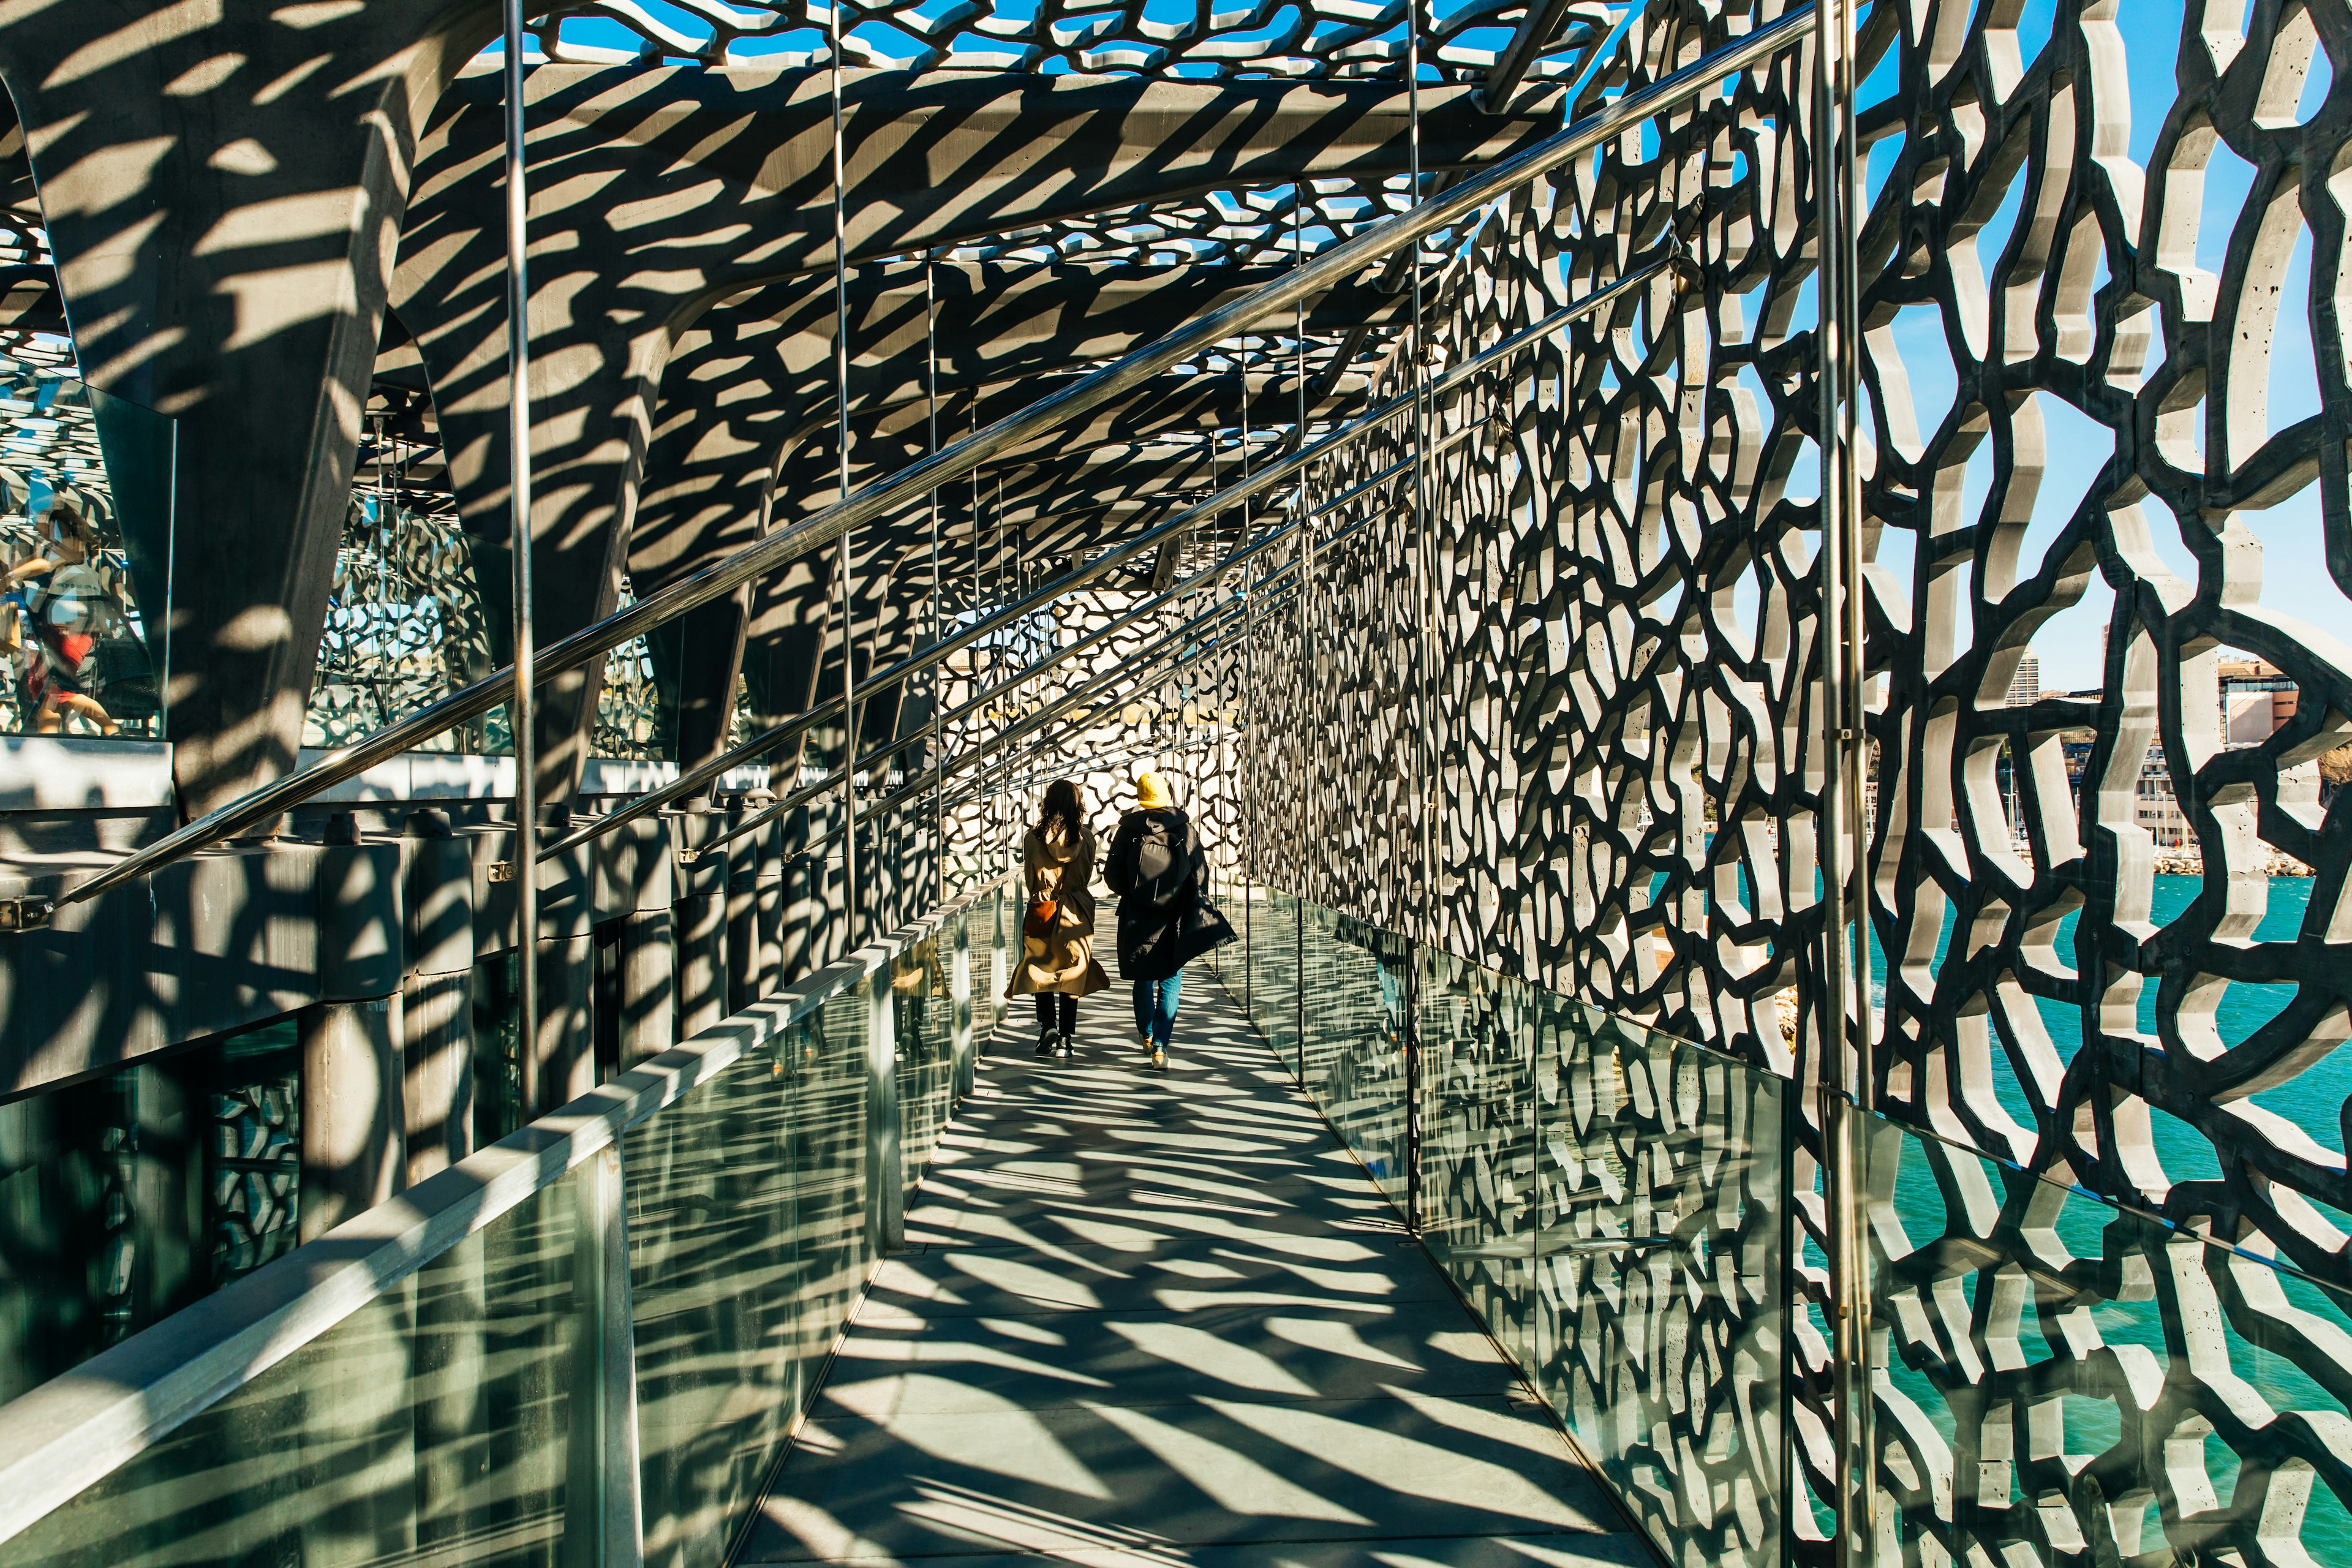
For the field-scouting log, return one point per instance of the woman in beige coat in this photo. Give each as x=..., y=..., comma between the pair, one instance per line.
x=1058, y=863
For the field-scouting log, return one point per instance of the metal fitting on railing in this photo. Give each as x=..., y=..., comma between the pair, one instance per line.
x=25, y=913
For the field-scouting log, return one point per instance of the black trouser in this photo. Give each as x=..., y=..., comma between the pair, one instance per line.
x=1046, y=1010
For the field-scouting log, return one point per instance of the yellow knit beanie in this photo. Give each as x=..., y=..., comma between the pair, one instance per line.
x=1151, y=792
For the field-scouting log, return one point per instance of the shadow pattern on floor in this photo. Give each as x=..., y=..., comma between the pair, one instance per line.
x=1149, y=1319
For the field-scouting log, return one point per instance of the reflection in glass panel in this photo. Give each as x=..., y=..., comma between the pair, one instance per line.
x=1273, y=971
x=829, y=1133
x=1477, y=1148
x=405, y=626
x=431, y=1426
x=409, y=621
x=924, y=1018
x=1612, y=1201
x=1661, y=1249
x=713, y=1258
x=1359, y=977
x=2072, y=1381
x=85, y=557
x=136, y=1192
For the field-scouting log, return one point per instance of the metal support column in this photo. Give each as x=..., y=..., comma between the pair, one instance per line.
x=521, y=707
x=603, y=1508
x=939, y=676
x=846, y=598
x=1846, y=1071
x=1425, y=552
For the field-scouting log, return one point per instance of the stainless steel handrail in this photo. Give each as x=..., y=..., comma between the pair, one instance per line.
x=1142, y=659
x=911, y=790
x=874, y=501
x=71, y=1432
x=916, y=663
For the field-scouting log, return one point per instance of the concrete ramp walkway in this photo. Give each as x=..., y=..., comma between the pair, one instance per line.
x=1165, y=1320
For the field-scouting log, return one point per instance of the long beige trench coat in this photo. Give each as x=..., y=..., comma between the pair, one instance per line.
x=1056, y=866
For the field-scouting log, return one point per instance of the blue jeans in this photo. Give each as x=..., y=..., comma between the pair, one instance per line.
x=1155, y=1006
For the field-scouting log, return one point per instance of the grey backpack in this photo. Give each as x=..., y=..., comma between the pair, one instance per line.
x=1162, y=860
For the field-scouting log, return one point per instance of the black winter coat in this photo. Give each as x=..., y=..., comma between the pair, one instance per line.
x=1147, y=924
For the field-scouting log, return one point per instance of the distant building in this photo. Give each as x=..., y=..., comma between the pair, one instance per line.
x=2157, y=808
x=2025, y=685
x=2257, y=700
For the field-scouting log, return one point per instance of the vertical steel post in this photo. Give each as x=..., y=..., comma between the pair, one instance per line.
x=603, y=1525
x=1310, y=754
x=519, y=716
x=938, y=674
x=846, y=598
x=1008, y=762
x=973, y=663
x=1847, y=1072
x=1249, y=618
x=1300, y=509
x=1423, y=525
x=1245, y=749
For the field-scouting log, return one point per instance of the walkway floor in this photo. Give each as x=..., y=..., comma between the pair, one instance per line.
x=1147, y=1320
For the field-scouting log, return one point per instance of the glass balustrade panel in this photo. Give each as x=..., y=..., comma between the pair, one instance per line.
x=1478, y=1157
x=1661, y=1246
x=433, y=1424
x=1356, y=981
x=86, y=562
x=830, y=1131
x=714, y=1260
x=2059, y=1380
x=1274, y=972
x=923, y=1015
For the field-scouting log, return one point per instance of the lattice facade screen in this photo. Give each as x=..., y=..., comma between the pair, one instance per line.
x=408, y=625
x=1336, y=38
x=1171, y=698
x=1551, y=699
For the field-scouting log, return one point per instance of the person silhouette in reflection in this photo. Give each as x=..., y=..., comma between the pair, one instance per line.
x=63, y=603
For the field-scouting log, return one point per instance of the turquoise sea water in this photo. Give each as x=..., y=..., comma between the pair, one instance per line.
x=2313, y=1101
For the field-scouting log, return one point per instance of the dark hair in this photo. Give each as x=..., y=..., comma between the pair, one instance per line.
x=1062, y=802
x=70, y=522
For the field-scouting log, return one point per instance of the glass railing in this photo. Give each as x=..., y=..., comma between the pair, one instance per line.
x=418, y=608
x=86, y=558
x=1613, y=1203
x=599, y=1332
x=1637, y=1220
x=1269, y=967
x=2060, y=1379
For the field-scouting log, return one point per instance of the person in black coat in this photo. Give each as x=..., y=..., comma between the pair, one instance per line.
x=1155, y=866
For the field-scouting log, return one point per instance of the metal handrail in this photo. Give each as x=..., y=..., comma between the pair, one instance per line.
x=876, y=499
x=916, y=663
x=71, y=1432
x=923, y=782
x=738, y=756
x=1142, y=659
